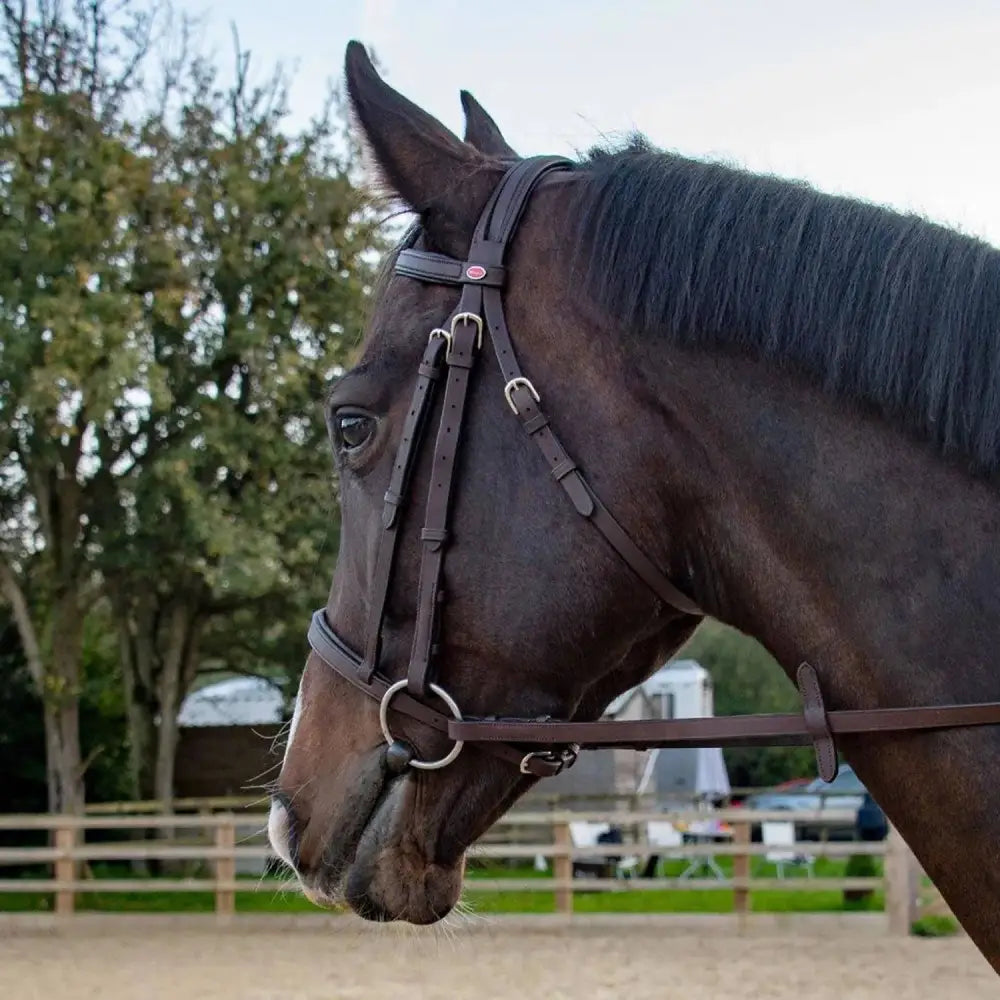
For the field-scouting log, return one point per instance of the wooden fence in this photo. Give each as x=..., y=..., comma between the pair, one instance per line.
x=218, y=839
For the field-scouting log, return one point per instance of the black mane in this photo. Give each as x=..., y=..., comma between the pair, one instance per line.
x=885, y=308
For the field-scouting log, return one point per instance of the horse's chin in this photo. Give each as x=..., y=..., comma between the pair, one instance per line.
x=392, y=873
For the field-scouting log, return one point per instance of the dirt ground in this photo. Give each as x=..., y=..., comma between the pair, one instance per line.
x=480, y=960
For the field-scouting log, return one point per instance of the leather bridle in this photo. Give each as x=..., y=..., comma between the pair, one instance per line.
x=448, y=359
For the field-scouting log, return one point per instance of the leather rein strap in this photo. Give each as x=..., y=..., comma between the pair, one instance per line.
x=449, y=358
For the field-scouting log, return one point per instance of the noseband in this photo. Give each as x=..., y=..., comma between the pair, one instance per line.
x=446, y=366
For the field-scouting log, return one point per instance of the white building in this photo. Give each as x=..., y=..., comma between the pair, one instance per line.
x=237, y=701
x=680, y=689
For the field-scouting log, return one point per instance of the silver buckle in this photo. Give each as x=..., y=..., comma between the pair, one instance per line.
x=383, y=719
x=564, y=758
x=473, y=318
x=519, y=383
x=443, y=334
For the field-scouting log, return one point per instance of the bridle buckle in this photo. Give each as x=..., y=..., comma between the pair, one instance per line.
x=520, y=382
x=564, y=758
x=439, y=333
x=468, y=317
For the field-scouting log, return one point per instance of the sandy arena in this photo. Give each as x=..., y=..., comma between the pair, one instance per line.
x=149, y=960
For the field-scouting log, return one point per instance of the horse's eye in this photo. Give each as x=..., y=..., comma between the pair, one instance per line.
x=352, y=430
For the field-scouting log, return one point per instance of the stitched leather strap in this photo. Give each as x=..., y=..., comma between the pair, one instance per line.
x=493, y=232
x=495, y=736
x=395, y=497
x=565, y=471
x=460, y=358
x=443, y=270
x=721, y=731
x=816, y=722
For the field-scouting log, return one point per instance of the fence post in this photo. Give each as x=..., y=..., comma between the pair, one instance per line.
x=741, y=873
x=65, y=869
x=225, y=864
x=562, y=865
x=900, y=884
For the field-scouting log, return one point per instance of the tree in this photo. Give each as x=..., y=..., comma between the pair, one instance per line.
x=178, y=279
x=64, y=185
x=22, y=740
x=22, y=736
x=255, y=278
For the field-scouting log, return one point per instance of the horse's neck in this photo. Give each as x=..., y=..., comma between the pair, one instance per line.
x=840, y=542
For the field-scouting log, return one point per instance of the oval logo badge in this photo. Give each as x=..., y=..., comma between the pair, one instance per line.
x=475, y=272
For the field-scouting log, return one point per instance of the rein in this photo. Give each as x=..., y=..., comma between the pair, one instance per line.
x=446, y=367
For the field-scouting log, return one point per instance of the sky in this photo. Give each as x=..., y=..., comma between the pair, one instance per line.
x=895, y=102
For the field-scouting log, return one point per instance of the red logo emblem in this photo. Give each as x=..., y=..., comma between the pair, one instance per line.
x=475, y=272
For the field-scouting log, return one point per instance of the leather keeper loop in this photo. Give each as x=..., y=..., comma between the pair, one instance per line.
x=563, y=469
x=534, y=424
x=817, y=724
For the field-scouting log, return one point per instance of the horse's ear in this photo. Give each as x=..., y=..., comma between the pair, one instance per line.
x=481, y=130
x=440, y=177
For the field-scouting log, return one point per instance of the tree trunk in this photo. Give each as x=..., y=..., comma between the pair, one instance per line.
x=61, y=696
x=158, y=648
x=159, y=656
x=63, y=764
x=180, y=663
x=141, y=721
x=136, y=644
x=57, y=679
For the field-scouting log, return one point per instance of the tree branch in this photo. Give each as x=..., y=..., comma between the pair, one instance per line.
x=239, y=87
x=14, y=594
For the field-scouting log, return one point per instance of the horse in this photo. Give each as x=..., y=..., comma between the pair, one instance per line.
x=788, y=400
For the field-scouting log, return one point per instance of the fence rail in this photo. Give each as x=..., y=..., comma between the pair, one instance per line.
x=541, y=833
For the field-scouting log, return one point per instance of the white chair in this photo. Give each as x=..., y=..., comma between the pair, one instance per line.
x=584, y=834
x=663, y=833
x=779, y=836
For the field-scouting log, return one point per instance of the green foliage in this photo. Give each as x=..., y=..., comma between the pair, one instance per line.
x=935, y=925
x=22, y=741
x=102, y=712
x=253, y=263
x=180, y=277
x=22, y=738
x=860, y=866
x=747, y=679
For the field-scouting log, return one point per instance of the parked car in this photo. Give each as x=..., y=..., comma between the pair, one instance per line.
x=845, y=793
